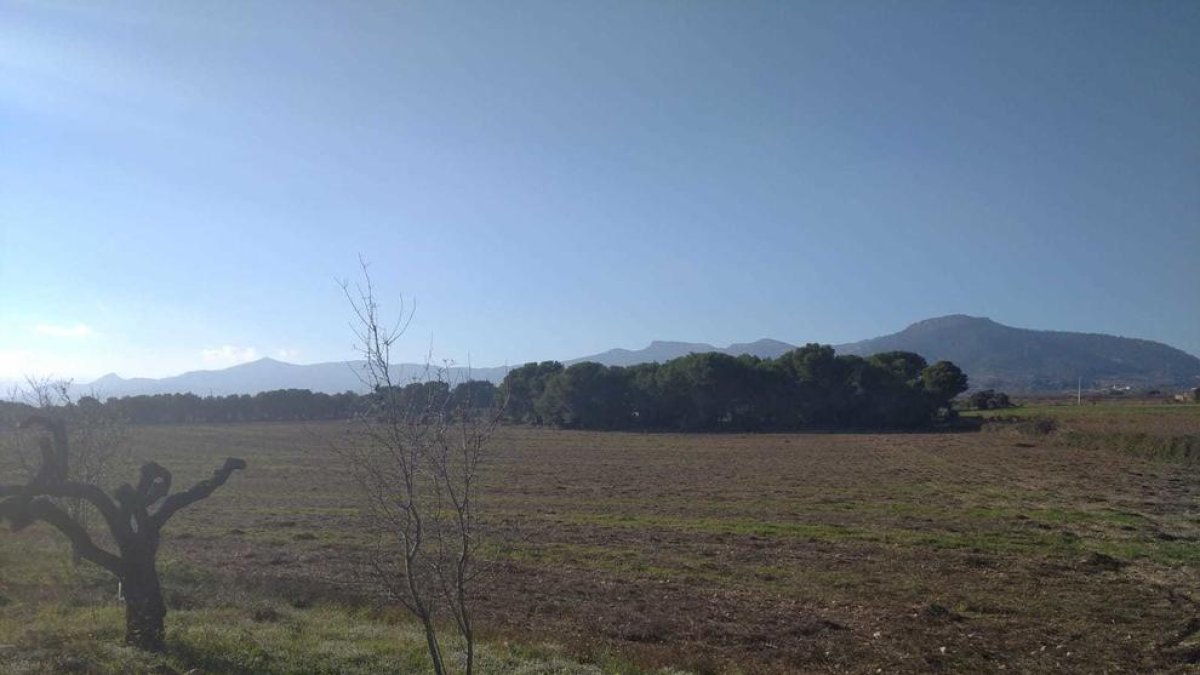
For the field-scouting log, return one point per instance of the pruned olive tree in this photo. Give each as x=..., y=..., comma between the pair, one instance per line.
x=416, y=454
x=133, y=514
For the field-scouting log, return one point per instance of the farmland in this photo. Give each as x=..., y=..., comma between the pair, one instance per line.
x=1018, y=547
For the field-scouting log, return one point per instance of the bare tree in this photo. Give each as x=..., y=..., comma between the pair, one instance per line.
x=416, y=457
x=132, y=524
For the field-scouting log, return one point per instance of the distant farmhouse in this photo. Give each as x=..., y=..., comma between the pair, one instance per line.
x=1192, y=396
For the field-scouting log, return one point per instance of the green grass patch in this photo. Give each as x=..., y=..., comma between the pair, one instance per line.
x=1022, y=540
x=243, y=641
x=1108, y=409
x=1183, y=448
x=59, y=617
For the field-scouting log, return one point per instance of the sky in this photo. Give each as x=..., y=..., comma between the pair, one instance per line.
x=183, y=185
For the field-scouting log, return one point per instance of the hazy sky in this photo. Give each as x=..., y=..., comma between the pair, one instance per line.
x=181, y=183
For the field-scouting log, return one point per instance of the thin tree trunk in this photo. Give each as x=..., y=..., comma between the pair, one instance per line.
x=470, y=639
x=435, y=650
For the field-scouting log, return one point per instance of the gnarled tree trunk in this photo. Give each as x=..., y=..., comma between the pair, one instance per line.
x=144, y=606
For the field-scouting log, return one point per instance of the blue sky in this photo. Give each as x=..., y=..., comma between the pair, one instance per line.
x=181, y=184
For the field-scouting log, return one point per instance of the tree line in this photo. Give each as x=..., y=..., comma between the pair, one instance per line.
x=281, y=405
x=809, y=387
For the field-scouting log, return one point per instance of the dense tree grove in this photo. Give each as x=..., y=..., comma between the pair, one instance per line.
x=809, y=387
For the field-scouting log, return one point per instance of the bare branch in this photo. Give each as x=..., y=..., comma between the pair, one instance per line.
x=197, y=492
x=45, y=510
x=71, y=490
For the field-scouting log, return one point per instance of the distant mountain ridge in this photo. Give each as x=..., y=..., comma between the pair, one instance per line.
x=1020, y=359
x=660, y=351
x=992, y=354
x=267, y=374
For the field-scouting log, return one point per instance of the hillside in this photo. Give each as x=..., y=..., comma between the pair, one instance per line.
x=1020, y=359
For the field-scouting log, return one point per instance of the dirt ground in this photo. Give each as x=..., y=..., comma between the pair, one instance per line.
x=763, y=553
x=964, y=552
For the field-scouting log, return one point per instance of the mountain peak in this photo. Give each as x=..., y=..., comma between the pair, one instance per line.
x=953, y=320
x=766, y=342
x=263, y=362
x=109, y=377
x=661, y=344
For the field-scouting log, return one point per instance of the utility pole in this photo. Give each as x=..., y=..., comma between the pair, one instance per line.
x=1079, y=392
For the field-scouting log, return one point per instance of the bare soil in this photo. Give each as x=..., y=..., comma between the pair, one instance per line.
x=959, y=552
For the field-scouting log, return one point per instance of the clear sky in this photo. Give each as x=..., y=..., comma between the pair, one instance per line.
x=182, y=183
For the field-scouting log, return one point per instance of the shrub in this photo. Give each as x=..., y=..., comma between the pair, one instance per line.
x=1037, y=426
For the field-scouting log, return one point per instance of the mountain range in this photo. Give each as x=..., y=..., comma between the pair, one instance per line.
x=993, y=356
x=267, y=374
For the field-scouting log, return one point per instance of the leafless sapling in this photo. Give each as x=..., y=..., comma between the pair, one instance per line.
x=416, y=457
